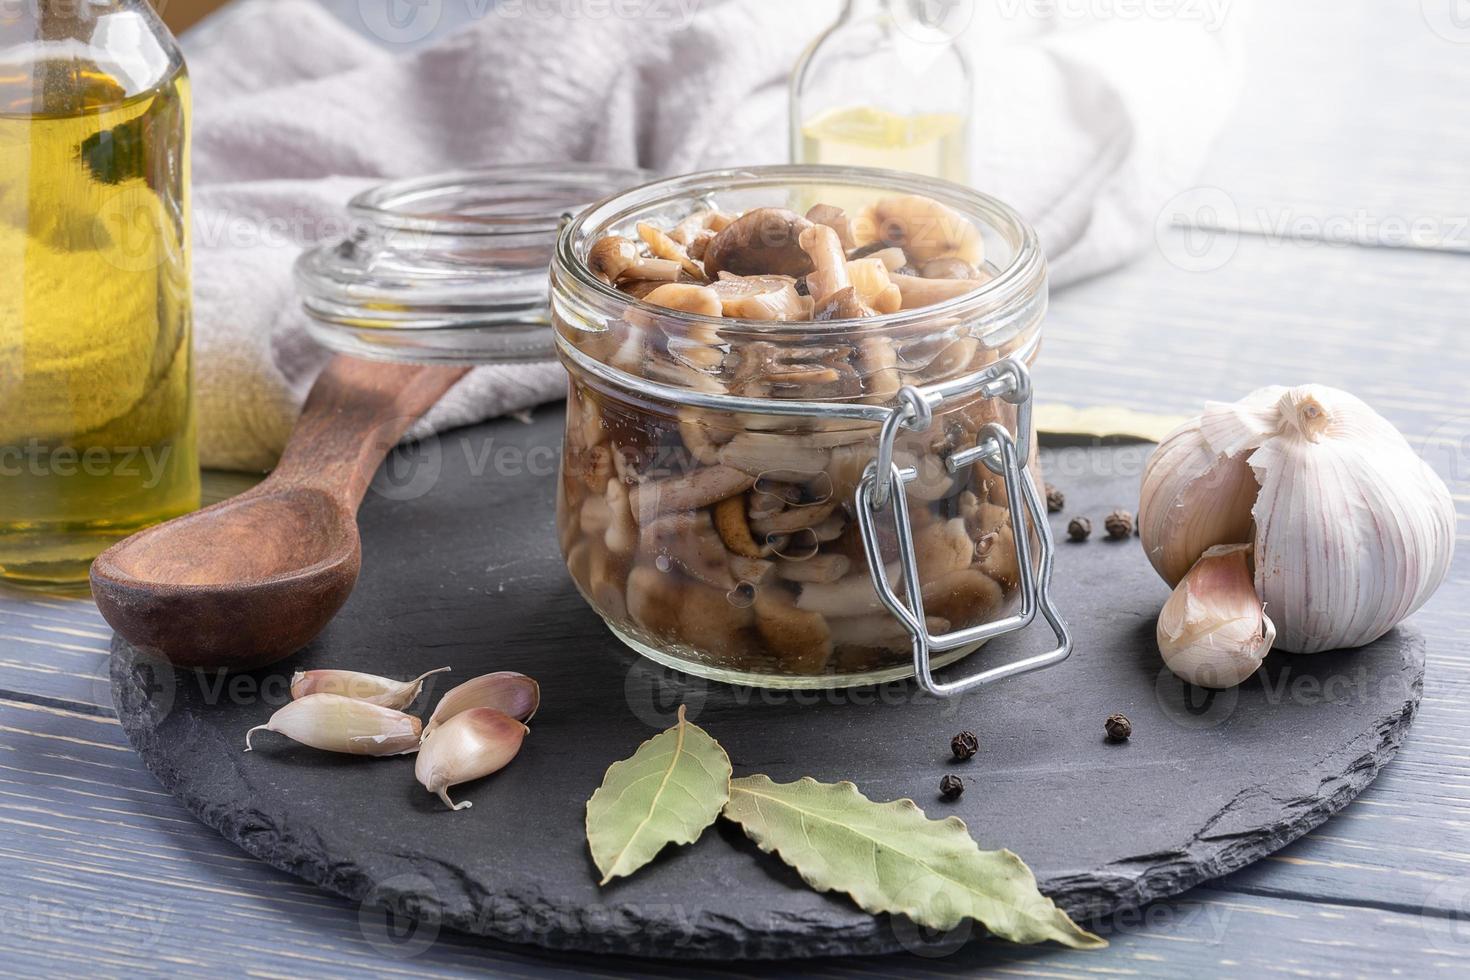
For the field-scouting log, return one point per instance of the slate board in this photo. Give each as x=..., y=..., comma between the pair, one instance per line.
x=461, y=568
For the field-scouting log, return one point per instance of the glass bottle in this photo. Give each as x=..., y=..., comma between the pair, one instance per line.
x=886, y=86
x=96, y=403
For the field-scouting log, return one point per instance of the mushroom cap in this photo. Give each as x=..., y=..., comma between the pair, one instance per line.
x=835, y=218
x=924, y=228
x=763, y=241
x=845, y=304
x=610, y=256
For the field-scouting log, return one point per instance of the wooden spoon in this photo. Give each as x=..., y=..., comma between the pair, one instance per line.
x=253, y=579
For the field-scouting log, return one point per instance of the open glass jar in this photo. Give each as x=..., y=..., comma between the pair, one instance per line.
x=729, y=499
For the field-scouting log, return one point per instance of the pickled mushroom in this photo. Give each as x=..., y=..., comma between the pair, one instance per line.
x=919, y=292
x=664, y=247
x=687, y=298
x=836, y=219
x=761, y=297
x=922, y=227
x=614, y=257
x=764, y=241
x=829, y=261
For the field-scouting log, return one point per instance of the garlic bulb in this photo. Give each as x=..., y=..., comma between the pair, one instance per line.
x=1352, y=530
x=1212, y=631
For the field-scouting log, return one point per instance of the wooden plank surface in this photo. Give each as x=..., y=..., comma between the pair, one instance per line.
x=1351, y=116
x=107, y=874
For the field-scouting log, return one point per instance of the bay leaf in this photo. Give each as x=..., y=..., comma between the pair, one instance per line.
x=889, y=857
x=667, y=792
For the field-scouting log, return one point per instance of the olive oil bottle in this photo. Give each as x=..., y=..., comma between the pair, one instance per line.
x=96, y=412
x=886, y=86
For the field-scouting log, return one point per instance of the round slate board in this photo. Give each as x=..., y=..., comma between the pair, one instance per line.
x=460, y=568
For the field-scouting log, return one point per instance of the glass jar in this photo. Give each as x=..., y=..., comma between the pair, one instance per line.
x=726, y=500
x=97, y=431
x=449, y=268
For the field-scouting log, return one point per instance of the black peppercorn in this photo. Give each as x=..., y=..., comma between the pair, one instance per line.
x=964, y=745
x=1055, y=500
x=1118, y=727
x=1079, y=529
x=950, y=787
x=1119, y=524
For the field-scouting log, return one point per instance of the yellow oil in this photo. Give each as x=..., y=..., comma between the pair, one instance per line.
x=933, y=144
x=96, y=411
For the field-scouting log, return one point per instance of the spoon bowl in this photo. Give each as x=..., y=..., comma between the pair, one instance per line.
x=240, y=584
x=249, y=581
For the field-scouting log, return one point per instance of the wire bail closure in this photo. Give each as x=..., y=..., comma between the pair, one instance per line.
x=882, y=484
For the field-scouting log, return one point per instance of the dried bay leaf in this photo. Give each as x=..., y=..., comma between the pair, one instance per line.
x=890, y=858
x=672, y=788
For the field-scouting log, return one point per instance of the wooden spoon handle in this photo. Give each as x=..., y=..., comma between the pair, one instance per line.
x=356, y=412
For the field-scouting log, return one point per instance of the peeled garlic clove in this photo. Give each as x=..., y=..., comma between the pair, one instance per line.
x=335, y=723
x=362, y=687
x=1213, y=631
x=515, y=694
x=470, y=745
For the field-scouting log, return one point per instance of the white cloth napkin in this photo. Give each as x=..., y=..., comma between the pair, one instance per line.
x=1086, y=124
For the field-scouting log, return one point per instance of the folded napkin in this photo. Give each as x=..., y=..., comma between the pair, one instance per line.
x=1086, y=126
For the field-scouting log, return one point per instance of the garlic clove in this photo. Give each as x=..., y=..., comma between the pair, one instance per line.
x=470, y=745
x=514, y=694
x=362, y=687
x=1233, y=428
x=1193, y=498
x=335, y=723
x=1213, y=631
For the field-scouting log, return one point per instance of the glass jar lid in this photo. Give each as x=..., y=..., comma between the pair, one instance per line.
x=451, y=267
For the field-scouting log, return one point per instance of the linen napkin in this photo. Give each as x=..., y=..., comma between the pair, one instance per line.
x=1086, y=124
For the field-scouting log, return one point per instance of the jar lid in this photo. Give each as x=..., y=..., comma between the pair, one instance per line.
x=452, y=267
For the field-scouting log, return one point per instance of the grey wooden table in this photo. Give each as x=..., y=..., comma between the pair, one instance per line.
x=1352, y=125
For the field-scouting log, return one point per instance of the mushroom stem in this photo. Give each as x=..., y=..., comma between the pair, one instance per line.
x=658, y=270
x=685, y=493
x=918, y=291
x=822, y=245
x=664, y=247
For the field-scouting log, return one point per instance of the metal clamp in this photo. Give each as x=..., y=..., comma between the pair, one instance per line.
x=1003, y=455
